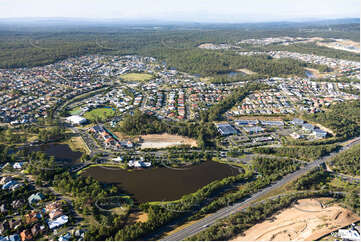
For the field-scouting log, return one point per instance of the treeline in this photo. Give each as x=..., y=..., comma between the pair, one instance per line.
x=211, y=63
x=347, y=162
x=51, y=134
x=270, y=170
x=307, y=153
x=342, y=118
x=234, y=225
x=313, y=180
x=225, y=78
x=318, y=179
x=141, y=123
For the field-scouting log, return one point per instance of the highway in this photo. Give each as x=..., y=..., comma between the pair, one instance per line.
x=227, y=211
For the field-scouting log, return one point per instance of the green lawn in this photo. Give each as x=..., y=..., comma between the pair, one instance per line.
x=100, y=113
x=75, y=111
x=137, y=77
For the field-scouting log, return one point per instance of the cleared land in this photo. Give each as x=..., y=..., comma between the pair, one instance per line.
x=136, y=77
x=306, y=220
x=100, y=114
x=246, y=71
x=165, y=140
x=341, y=44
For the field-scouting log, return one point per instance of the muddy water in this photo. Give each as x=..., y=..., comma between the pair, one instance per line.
x=162, y=184
x=61, y=152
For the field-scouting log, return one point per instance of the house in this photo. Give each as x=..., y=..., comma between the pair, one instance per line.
x=4, y=226
x=32, y=217
x=14, y=237
x=5, y=179
x=55, y=213
x=308, y=127
x=296, y=135
x=17, y=204
x=3, y=209
x=37, y=229
x=297, y=121
x=53, y=206
x=9, y=184
x=319, y=133
x=18, y=165
x=58, y=222
x=65, y=237
x=35, y=198
x=26, y=235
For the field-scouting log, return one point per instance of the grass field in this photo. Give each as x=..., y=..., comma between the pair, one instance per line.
x=137, y=77
x=100, y=114
x=75, y=111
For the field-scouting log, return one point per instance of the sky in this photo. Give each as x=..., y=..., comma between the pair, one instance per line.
x=231, y=11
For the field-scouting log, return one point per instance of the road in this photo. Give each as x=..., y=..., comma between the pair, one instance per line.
x=225, y=212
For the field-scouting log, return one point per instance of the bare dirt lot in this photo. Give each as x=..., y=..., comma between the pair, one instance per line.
x=307, y=220
x=342, y=44
x=165, y=140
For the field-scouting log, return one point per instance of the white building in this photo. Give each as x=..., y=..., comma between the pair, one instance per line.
x=76, y=120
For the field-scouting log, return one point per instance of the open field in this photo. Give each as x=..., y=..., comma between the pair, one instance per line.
x=306, y=220
x=316, y=73
x=165, y=140
x=77, y=144
x=137, y=77
x=137, y=217
x=341, y=44
x=246, y=71
x=75, y=111
x=99, y=113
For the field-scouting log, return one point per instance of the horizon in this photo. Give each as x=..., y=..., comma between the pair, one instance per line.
x=229, y=11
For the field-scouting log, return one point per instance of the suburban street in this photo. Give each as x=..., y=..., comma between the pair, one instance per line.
x=227, y=211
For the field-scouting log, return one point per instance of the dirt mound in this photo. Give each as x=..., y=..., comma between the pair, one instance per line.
x=307, y=220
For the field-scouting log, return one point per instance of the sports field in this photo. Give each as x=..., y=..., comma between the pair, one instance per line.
x=100, y=114
x=137, y=77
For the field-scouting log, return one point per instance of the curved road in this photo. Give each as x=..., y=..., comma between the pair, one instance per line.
x=225, y=212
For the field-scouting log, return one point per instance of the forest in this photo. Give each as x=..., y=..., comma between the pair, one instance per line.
x=22, y=46
x=307, y=153
x=342, y=118
x=347, y=162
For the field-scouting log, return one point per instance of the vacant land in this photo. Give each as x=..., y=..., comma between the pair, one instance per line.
x=341, y=44
x=137, y=77
x=308, y=219
x=165, y=140
x=100, y=114
x=246, y=71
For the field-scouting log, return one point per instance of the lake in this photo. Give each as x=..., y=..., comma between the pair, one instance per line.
x=61, y=152
x=162, y=184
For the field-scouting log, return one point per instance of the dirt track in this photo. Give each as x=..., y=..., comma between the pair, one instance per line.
x=307, y=220
x=165, y=140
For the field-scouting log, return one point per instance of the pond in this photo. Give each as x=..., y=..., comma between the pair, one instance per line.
x=162, y=184
x=61, y=152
